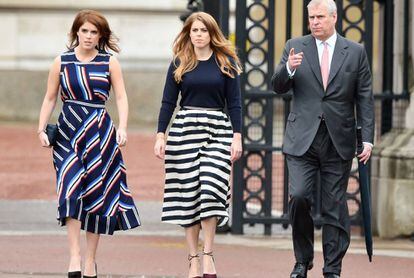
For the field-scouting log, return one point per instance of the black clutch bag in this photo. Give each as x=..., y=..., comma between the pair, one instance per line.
x=51, y=132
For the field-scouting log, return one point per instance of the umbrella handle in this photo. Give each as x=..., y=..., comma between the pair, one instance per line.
x=360, y=145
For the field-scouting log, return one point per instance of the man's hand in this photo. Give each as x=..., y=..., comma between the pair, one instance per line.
x=366, y=153
x=294, y=60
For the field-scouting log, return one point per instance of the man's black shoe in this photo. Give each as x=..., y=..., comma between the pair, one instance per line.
x=300, y=270
x=331, y=275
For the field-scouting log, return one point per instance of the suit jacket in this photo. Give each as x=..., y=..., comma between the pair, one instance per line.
x=348, y=96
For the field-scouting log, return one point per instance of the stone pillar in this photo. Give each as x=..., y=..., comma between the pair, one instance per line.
x=393, y=163
x=409, y=117
x=395, y=184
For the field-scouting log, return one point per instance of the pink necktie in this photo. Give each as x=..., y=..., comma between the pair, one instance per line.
x=325, y=65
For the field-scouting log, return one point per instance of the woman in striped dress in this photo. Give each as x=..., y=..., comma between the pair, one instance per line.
x=91, y=177
x=202, y=142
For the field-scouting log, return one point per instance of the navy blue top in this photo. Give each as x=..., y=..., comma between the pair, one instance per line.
x=204, y=86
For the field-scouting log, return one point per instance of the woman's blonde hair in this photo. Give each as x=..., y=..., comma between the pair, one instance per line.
x=185, y=59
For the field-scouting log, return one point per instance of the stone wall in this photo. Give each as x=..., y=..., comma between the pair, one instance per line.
x=34, y=32
x=22, y=92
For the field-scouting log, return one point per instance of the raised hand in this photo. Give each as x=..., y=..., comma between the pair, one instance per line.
x=294, y=60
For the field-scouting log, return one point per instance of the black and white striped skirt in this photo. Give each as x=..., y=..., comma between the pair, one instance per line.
x=197, y=166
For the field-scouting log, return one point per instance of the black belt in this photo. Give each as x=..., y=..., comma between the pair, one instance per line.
x=201, y=108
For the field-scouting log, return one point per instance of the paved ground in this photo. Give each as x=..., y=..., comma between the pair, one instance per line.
x=26, y=170
x=32, y=245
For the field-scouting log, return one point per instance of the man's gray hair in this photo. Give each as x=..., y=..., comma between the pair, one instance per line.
x=330, y=4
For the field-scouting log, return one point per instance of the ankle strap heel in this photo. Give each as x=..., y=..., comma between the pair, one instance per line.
x=205, y=275
x=190, y=257
x=209, y=254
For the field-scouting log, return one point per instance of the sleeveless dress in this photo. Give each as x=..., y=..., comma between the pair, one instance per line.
x=91, y=177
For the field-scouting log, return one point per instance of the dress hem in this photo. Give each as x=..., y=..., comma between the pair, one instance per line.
x=222, y=220
x=101, y=224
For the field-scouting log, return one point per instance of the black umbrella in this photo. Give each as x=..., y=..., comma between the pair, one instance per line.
x=364, y=189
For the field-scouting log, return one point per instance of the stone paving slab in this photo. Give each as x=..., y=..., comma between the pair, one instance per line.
x=33, y=245
x=59, y=275
x=165, y=256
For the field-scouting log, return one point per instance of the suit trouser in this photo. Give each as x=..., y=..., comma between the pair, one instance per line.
x=334, y=173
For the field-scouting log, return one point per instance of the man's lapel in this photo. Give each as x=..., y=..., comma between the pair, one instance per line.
x=311, y=55
x=338, y=57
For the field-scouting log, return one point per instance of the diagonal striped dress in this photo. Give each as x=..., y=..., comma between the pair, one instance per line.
x=91, y=176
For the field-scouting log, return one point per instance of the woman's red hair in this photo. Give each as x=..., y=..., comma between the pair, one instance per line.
x=107, y=40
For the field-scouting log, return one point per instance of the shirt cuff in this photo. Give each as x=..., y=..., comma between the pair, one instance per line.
x=291, y=74
x=369, y=144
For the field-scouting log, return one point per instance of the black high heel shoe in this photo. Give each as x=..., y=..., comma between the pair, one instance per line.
x=75, y=274
x=96, y=273
x=190, y=257
x=205, y=275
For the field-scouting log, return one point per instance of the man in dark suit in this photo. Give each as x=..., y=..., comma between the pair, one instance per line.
x=330, y=79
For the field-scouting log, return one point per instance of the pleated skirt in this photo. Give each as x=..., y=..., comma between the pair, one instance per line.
x=197, y=168
x=91, y=176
